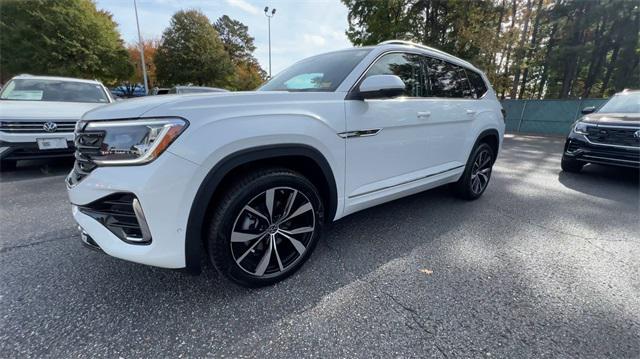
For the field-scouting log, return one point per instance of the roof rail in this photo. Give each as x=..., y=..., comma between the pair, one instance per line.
x=414, y=44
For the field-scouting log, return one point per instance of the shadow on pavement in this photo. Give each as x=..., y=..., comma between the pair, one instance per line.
x=597, y=180
x=31, y=169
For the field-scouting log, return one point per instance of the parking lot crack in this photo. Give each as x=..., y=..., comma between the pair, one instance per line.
x=32, y=244
x=412, y=314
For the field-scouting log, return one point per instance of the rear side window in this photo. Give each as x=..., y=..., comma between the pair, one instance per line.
x=408, y=67
x=478, y=87
x=447, y=80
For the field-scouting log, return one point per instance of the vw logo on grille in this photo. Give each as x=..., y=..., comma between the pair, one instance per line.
x=637, y=134
x=50, y=126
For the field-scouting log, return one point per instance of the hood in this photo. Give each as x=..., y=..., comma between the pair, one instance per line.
x=612, y=119
x=44, y=110
x=176, y=105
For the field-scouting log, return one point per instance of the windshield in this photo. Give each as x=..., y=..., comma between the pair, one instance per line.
x=623, y=103
x=53, y=90
x=322, y=73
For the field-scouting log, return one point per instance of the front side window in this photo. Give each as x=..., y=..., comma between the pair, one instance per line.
x=448, y=80
x=406, y=66
x=623, y=103
x=53, y=90
x=322, y=73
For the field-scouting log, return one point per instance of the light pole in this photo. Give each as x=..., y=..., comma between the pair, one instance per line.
x=269, y=16
x=144, y=68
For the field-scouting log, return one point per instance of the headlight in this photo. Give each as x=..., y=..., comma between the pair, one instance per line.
x=581, y=128
x=134, y=142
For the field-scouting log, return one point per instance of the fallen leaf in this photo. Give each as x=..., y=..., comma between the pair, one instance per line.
x=426, y=271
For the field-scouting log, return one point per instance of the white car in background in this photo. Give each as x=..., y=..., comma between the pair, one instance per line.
x=249, y=178
x=38, y=115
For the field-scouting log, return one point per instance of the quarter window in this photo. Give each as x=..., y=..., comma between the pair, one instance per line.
x=408, y=67
x=478, y=86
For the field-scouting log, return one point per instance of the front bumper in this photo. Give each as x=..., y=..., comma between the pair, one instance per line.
x=577, y=147
x=24, y=146
x=30, y=151
x=165, y=193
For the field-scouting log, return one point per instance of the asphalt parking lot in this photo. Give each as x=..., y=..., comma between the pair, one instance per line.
x=545, y=264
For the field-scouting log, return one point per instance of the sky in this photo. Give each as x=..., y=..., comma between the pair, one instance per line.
x=300, y=28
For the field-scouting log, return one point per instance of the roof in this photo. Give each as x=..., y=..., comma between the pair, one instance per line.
x=54, y=78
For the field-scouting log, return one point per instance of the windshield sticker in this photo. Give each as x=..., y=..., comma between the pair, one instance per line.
x=31, y=95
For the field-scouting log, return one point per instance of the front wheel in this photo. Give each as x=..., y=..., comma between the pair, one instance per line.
x=477, y=173
x=265, y=227
x=571, y=165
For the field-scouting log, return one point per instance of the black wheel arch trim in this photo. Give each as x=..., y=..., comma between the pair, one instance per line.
x=492, y=132
x=196, y=220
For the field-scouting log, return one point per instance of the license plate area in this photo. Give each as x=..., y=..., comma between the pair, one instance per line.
x=51, y=143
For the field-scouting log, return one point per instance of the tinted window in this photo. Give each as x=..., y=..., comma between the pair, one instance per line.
x=53, y=90
x=406, y=66
x=447, y=80
x=478, y=86
x=319, y=73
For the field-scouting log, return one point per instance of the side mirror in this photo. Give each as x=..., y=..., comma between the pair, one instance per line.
x=588, y=110
x=381, y=86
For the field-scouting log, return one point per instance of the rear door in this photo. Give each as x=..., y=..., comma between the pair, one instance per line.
x=453, y=108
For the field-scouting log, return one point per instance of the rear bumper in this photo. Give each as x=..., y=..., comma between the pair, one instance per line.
x=578, y=148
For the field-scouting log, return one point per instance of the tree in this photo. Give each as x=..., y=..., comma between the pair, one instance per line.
x=191, y=52
x=247, y=74
x=150, y=47
x=528, y=48
x=62, y=37
x=235, y=38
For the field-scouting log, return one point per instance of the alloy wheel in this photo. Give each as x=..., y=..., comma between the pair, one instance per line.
x=481, y=171
x=272, y=231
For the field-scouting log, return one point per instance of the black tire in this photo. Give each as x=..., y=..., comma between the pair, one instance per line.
x=571, y=165
x=466, y=187
x=242, y=260
x=8, y=165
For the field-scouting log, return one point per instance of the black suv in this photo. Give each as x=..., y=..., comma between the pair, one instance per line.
x=610, y=135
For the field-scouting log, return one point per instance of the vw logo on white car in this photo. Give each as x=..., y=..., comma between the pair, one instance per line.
x=50, y=126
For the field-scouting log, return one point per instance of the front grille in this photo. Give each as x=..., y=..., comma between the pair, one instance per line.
x=37, y=127
x=117, y=214
x=87, y=144
x=618, y=136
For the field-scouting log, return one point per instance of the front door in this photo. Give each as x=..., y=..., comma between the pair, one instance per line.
x=387, y=139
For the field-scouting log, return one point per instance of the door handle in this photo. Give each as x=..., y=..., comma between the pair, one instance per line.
x=471, y=112
x=423, y=115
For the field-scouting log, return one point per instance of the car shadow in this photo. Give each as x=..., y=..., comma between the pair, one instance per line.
x=31, y=169
x=609, y=182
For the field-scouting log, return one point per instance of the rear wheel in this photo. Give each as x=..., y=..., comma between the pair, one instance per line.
x=477, y=173
x=265, y=227
x=571, y=165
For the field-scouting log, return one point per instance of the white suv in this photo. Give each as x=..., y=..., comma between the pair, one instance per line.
x=38, y=115
x=249, y=178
